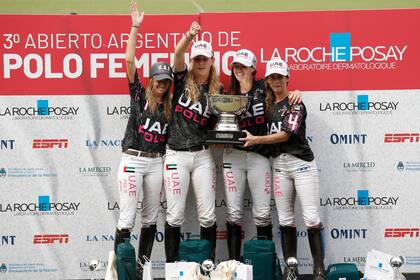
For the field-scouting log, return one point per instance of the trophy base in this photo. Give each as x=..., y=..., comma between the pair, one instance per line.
x=225, y=137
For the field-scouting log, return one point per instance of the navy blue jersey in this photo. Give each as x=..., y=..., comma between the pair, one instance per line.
x=146, y=130
x=290, y=119
x=254, y=119
x=190, y=121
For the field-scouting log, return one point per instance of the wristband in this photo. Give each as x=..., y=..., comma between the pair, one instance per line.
x=189, y=36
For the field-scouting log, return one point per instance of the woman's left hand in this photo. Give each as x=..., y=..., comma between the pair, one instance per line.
x=136, y=16
x=295, y=97
x=250, y=140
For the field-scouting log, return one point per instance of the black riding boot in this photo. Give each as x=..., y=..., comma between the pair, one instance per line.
x=317, y=250
x=234, y=241
x=147, y=237
x=266, y=231
x=120, y=235
x=210, y=235
x=289, y=248
x=172, y=240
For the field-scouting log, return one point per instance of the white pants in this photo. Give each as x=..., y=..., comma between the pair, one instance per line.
x=139, y=179
x=180, y=168
x=293, y=176
x=238, y=167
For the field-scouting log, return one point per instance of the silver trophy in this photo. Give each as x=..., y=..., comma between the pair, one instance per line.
x=291, y=271
x=396, y=263
x=228, y=108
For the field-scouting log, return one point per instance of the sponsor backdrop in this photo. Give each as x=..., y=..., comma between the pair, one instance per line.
x=64, y=107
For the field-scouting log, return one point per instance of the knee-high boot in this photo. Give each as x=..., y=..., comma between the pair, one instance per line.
x=266, y=231
x=234, y=241
x=210, y=235
x=317, y=250
x=172, y=240
x=147, y=237
x=289, y=248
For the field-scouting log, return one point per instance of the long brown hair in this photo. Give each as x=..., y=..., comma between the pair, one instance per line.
x=270, y=98
x=191, y=87
x=152, y=100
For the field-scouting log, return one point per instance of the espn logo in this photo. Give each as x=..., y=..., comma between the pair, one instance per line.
x=402, y=232
x=222, y=234
x=50, y=143
x=51, y=238
x=401, y=137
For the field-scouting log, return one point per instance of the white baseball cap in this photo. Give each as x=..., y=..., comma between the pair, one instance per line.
x=245, y=57
x=201, y=48
x=276, y=66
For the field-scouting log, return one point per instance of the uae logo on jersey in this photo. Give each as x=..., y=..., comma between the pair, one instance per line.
x=171, y=166
x=129, y=169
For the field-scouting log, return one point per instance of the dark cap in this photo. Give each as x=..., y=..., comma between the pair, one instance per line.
x=161, y=71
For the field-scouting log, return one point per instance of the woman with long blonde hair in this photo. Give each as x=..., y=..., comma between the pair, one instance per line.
x=140, y=172
x=187, y=155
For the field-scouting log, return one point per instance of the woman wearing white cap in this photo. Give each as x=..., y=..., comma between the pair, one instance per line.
x=241, y=164
x=294, y=166
x=141, y=168
x=187, y=155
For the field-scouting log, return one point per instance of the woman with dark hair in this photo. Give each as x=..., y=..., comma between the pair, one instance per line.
x=295, y=173
x=141, y=168
x=188, y=158
x=241, y=164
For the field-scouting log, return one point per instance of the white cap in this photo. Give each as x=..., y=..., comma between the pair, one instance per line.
x=245, y=57
x=276, y=66
x=201, y=48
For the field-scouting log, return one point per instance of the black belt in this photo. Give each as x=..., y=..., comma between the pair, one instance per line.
x=137, y=153
x=194, y=148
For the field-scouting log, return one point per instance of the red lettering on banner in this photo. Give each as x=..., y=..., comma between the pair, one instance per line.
x=49, y=62
x=50, y=238
x=50, y=143
x=176, y=185
x=222, y=234
x=402, y=232
x=401, y=137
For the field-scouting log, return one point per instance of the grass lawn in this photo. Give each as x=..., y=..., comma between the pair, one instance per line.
x=192, y=6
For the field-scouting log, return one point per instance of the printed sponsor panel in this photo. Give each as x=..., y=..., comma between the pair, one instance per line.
x=359, y=206
x=60, y=153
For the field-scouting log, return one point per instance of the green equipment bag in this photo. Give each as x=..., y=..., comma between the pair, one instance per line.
x=261, y=254
x=126, y=261
x=343, y=271
x=194, y=249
